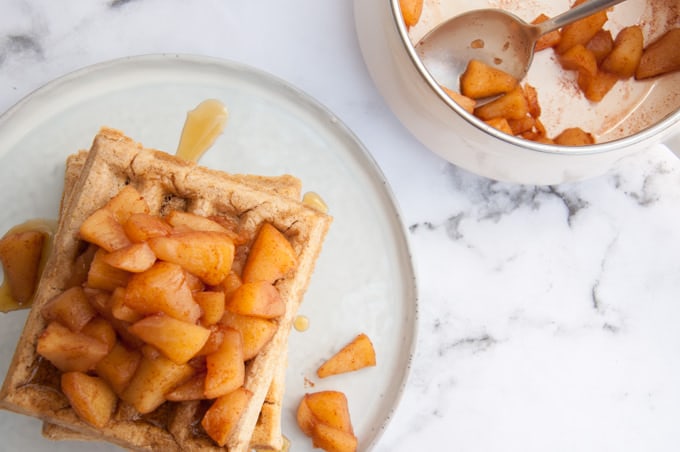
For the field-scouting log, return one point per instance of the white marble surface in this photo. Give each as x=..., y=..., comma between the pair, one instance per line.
x=548, y=315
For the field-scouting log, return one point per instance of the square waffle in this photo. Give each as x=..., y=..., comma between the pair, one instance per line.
x=167, y=183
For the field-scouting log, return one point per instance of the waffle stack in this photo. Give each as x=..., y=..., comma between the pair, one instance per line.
x=167, y=183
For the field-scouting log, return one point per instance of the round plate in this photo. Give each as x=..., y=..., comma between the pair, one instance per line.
x=364, y=279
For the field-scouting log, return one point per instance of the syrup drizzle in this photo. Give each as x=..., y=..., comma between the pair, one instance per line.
x=7, y=302
x=201, y=128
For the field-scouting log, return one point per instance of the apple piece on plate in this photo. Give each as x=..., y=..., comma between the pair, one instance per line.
x=332, y=439
x=20, y=254
x=327, y=407
x=354, y=356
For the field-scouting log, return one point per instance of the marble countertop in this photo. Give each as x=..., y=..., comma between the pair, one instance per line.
x=548, y=314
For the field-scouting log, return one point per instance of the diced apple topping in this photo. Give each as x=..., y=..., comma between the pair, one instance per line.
x=162, y=288
x=259, y=299
x=225, y=367
x=102, y=229
x=118, y=367
x=69, y=350
x=206, y=254
x=224, y=414
x=271, y=256
x=134, y=258
x=212, y=304
x=71, y=308
x=141, y=227
x=90, y=397
x=177, y=340
x=255, y=332
x=161, y=312
x=153, y=378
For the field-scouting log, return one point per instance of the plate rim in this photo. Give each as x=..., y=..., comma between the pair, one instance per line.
x=404, y=248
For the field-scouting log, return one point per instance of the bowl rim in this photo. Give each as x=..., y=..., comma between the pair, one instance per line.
x=646, y=134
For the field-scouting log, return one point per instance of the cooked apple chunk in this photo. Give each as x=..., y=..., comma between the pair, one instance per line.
x=206, y=254
x=661, y=56
x=177, y=340
x=71, y=308
x=225, y=367
x=625, y=56
x=20, y=254
x=162, y=288
x=134, y=258
x=141, y=227
x=327, y=407
x=354, y=356
x=212, y=305
x=101, y=329
x=102, y=229
x=223, y=415
x=271, y=256
x=90, y=397
x=512, y=105
x=154, y=377
x=192, y=389
x=103, y=276
x=70, y=351
x=127, y=202
x=255, y=332
x=118, y=367
x=481, y=80
x=332, y=439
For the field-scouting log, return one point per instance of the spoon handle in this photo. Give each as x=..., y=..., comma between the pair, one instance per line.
x=585, y=9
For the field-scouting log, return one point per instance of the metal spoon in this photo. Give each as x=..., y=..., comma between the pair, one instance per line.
x=493, y=36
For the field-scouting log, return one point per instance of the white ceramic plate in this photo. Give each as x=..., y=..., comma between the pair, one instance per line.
x=364, y=280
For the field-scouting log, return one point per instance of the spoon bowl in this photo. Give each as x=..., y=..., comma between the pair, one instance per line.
x=496, y=37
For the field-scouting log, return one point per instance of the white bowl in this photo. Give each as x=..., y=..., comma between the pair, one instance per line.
x=633, y=117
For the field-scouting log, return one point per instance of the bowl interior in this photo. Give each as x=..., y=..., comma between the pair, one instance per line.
x=630, y=107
